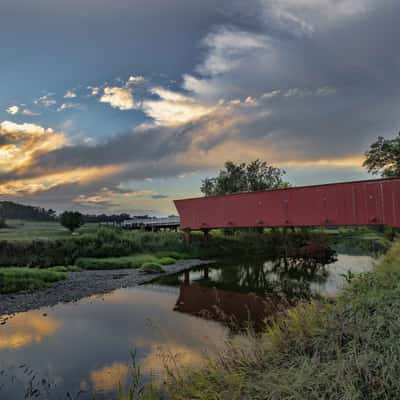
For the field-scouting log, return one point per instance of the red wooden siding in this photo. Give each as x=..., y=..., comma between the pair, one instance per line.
x=372, y=202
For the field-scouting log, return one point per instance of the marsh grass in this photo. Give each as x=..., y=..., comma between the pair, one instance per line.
x=13, y=280
x=135, y=261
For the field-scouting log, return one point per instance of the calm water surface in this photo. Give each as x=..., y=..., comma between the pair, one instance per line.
x=75, y=350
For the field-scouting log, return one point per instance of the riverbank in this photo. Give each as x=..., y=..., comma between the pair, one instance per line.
x=345, y=349
x=82, y=284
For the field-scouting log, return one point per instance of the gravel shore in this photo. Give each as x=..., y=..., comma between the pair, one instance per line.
x=84, y=284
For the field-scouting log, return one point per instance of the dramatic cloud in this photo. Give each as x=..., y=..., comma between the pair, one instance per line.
x=305, y=84
x=24, y=186
x=174, y=109
x=113, y=197
x=20, y=144
x=118, y=97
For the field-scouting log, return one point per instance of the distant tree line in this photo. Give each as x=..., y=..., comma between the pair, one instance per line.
x=11, y=210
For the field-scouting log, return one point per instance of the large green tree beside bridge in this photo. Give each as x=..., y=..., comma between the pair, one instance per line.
x=237, y=178
x=383, y=157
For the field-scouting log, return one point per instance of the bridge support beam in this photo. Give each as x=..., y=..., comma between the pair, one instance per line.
x=186, y=235
x=206, y=235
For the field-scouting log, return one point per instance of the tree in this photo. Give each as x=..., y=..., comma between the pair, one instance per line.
x=236, y=178
x=383, y=157
x=71, y=220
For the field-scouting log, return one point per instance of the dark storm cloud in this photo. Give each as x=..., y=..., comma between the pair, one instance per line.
x=353, y=51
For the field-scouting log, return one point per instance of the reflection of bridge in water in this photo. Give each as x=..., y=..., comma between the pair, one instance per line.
x=233, y=308
x=249, y=293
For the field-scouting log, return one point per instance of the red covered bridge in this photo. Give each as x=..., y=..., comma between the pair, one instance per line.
x=372, y=202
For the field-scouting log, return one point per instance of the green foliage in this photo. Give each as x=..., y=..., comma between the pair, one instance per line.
x=153, y=267
x=135, y=261
x=167, y=260
x=105, y=242
x=389, y=233
x=236, y=178
x=69, y=268
x=108, y=242
x=71, y=220
x=116, y=262
x=16, y=279
x=383, y=157
x=3, y=223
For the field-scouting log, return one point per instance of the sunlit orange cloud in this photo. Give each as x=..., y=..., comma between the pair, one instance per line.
x=110, y=377
x=110, y=195
x=348, y=161
x=24, y=143
x=174, y=109
x=26, y=328
x=240, y=152
x=45, y=182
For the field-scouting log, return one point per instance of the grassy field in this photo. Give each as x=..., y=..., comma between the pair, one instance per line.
x=154, y=261
x=16, y=279
x=29, y=230
x=346, y=349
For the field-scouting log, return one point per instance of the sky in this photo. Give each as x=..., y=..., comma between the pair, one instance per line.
x=124, y=106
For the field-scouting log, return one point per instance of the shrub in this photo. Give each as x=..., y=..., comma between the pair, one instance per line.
x=167, y=260
x=152, y=268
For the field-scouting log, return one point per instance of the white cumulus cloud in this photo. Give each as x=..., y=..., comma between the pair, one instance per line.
x=12, y=110
x=118, y=97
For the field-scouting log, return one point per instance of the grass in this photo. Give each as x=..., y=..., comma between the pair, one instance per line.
x=346, y=349
x=20, y=230
x=14, y=280
x=135, y=261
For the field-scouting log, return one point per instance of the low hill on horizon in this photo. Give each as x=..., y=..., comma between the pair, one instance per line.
x=11, y=210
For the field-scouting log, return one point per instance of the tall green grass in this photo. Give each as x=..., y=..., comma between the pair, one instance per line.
x=135, y=261
x=17, y=279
